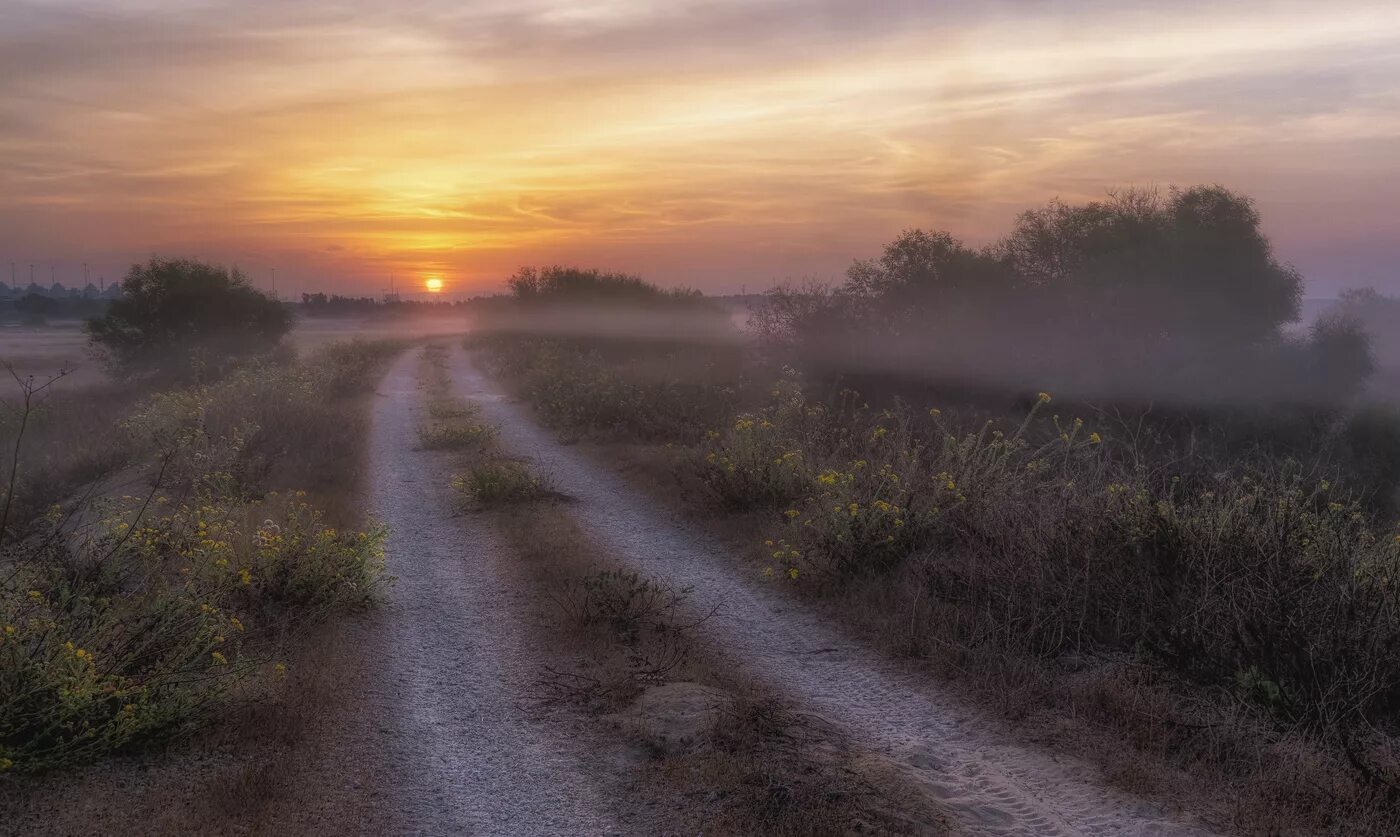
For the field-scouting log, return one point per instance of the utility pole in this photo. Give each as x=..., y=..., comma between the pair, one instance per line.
x=274, y=283
x=85, y=276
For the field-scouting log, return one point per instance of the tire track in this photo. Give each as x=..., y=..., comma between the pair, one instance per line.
x=987, y=783
x=462, y=755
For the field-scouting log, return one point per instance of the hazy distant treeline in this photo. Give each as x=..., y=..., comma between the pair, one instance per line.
x=1144, y=295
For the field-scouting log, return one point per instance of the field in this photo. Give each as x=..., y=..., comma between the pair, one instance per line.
x=584, y=580
x=831, y=503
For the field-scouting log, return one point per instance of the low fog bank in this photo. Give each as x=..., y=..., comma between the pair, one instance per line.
x=700, y=324
x=1145, y=296
x=310, y=333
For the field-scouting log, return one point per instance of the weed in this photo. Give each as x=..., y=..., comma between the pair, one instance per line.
x=495, y=481
x=456, y=436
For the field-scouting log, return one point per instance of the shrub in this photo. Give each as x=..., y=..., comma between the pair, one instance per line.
x=456, y=435
x=183, y=318
x=494, y=482
x=758, y=462
x=138, y=633
x=626, y=603
x=449, y=410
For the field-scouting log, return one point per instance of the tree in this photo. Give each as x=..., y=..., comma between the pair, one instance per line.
x=1341, y=356
x=177, y=316
x=1192, y=265
x=919, y=275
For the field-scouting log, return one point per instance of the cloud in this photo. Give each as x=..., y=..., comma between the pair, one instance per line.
x=721, y=141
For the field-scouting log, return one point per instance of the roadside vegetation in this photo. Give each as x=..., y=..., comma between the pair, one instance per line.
x=163, y=545
x=1118, y=509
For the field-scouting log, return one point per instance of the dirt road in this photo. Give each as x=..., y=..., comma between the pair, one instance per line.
x=458, y=743
x=988, y=783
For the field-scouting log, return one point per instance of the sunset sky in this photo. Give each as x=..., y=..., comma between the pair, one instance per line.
x=717, y=144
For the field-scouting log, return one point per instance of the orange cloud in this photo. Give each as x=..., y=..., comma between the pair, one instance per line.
x=713, y=144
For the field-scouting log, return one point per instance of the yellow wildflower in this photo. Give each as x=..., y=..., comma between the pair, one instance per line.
x=792, y=573
x=219, y=659
x=1095, y=439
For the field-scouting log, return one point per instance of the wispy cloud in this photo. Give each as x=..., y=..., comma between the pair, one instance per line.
x=711, y=142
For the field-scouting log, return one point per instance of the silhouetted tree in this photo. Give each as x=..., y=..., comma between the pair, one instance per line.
x=177, y=316
x=1193, y=265
x=1341, y=354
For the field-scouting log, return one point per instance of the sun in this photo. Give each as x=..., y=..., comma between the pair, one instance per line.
x=433, y=284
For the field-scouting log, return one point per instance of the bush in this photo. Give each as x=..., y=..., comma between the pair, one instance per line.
x=185, y=318
x=137, y=634
x=624, y=602
x=758, y=462
x=456, y=435
x=493, y=482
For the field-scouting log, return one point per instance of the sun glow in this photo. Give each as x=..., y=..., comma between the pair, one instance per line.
x=433, y=284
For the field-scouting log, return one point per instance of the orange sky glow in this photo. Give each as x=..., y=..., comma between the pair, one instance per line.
x=719, y=144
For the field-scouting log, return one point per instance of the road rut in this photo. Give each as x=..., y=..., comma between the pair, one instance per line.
x=465, y=754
